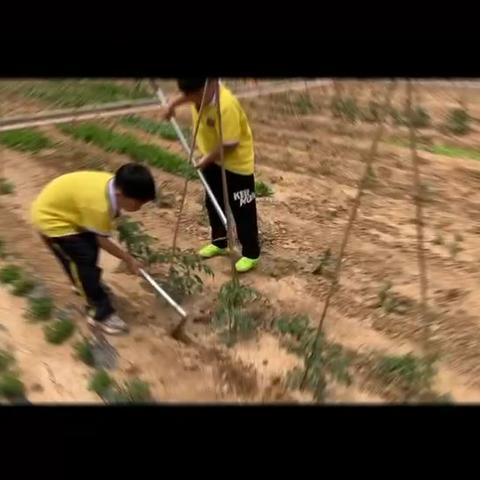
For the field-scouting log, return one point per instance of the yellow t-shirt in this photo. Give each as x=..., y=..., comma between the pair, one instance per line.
x=235, y=128
x=73, y=203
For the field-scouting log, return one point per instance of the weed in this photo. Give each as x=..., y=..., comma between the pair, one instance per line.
x=373, y=113
x=326, y=265
x=397, y=116
x=84, y=352
x=23, y=286
x=137, y=391
x=231, y=312
x=458, y=122
x=411, y=373
x=40, y=307
x=123, y=143
x=101, y=383
x=6, y=187
x=78, y=93
x=345, y=108
x=3, y=252
x=162, y=129
x=390, y=302
x=11, y=386
x=25, y=140
x=454, y=249
x=419, y=118
x=6, y=360
x=59, y=331
x=10, y=273
x=303, y=103
x=262, y=189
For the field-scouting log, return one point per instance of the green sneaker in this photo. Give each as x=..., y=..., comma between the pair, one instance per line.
x=211, y=250
x=245, y=264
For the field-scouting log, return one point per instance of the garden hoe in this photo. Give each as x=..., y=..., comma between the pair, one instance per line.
x=178, y=332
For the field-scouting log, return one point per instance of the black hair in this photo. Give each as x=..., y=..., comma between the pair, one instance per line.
x=191, y=85
x=135, y=181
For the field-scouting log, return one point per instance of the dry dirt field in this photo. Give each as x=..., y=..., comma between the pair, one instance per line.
x=312, y=162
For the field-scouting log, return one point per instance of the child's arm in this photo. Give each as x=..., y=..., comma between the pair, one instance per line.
x=215, y=155
x=106, y=244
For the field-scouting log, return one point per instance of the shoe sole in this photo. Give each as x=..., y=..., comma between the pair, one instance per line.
x=111, y=331
x=206, y=257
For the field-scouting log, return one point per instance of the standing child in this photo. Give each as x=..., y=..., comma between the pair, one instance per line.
x=239, y=165
x=74, y=214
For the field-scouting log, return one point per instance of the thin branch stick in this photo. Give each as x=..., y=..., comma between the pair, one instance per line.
x=369, y=158
x=422, y=268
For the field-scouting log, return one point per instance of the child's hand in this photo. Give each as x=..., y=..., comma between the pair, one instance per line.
x=168, y=112
x=133, y=265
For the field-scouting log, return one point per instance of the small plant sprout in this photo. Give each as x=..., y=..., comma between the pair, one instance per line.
x=6, y=360
x=23, y=286
x=6, y=187
x=101, y=383
x=3, y=252
x=11, y=387
x=458, y=122
x=262, y=189
x=326, y=265
x=10, y=274
x=345, y=108
x=40, y=307
x=59, y=330
x=137, y=391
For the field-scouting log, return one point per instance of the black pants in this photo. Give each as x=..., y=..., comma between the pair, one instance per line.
x=241, y=189
x=78, y=255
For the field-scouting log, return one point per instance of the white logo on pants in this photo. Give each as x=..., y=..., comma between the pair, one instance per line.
x=244, y=196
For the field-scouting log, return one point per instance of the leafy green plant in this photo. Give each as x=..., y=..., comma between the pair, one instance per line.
x=419, y=117
x=232, y=314
x=455, y=152
x=262, y=189
x=59, y=331
x=164, y=130
x=10, y=273
x=40, y=307
x=412, y=374
x=124, y=143
x=25, y=140
x=3, y=251
x=23, y=286
x=6, y=187
x=84, y=352
x=11, y=386
x=138, y=242
x=458, y=122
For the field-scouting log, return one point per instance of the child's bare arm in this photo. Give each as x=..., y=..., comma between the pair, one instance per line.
x=214, y=156
x=106, y=244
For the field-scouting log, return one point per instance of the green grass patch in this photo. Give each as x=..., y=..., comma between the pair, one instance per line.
x=78, y=93
x=9, y=274
x=11, y=386
x=127, y=144
x=101, y=382
x=457, y=152
x=25, y=140
x=59, y=331
x=262, y=189
x=137, y=391
x=84, y=352
x=164, y=130
x=41, y=307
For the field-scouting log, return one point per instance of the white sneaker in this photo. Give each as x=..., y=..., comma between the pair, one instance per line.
x=112, y=325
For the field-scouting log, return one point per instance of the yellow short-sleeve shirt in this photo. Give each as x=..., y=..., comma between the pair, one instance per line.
x=73, y=203
x=235, y=129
